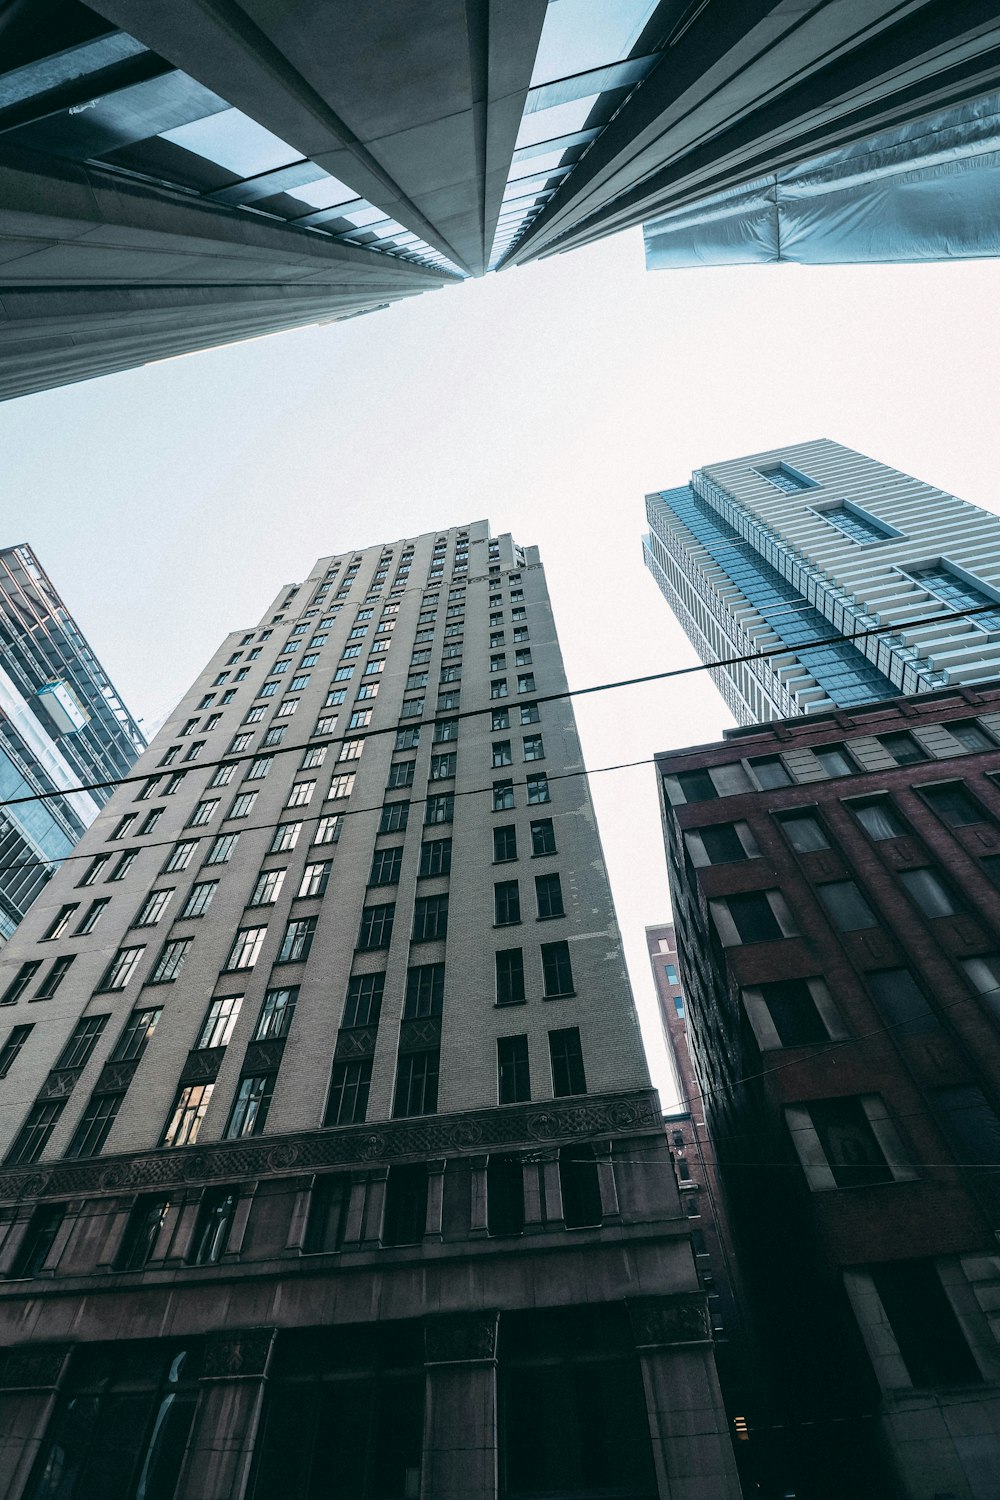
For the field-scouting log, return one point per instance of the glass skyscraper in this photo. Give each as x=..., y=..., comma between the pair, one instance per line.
x=769, y=558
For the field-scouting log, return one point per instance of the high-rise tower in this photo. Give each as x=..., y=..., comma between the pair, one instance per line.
x=62, y=724
x=331, y=1165
x=799, y=545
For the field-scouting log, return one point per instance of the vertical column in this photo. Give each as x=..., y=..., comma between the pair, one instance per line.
x=460, y=1416
x=610, y=1209
x=375, y=1208
x=30, y=1377
x=232, y=1391
x=689, y=1429
x=478, y=1222
x=435, y=1199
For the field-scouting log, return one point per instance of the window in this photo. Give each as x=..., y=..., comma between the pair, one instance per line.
x=134, y=1039
x=341, y=786
x=20, y=982
x=221, y=850
x=261, y=764
x=124, y=864
x=95, y=1125
x=219, y=1023
x=360, y=719
x=435, y=857
x=12, y=1046
x=300, y=793
x=834, y=760
x=930, y=1338
x=502, y=753
x=503, y=796
x=443, y=767
x=394, y=817
x=203, y=813
x=538, y=788
x=407, y=739
x=793, y=1017
x=411, y=708
x=513, y=1074
x=180, y=857
x=150, y=821
x=351, y=749
x=94, y=869
x=510, y=976
x=255, y=714
x=566, y=1057
x=440, y=808
x=348, y=1098
x=386, y=865
x=953, y=804
x=364, y=1000
x=248, y=1115
x=548, y=895
x=803, y=830
x=526, y=682
x=243, y=805
x=121, y=968
x=82, y=1042
x=343, y=674
x=506, y=903
x=769, y=771
x=904, y=748
x=504, y=844
x=543, y=838
x=401, y=774
x=316, y=878
x=783, y=477
x=845, y=905
x=751, y=917
x=533, y=747
x=246, y=948
x=529, y=713
x=200, y=898
x=500, y=719
x=33, y=1137
x=901, y=1001
x=405, y=1215
x=416, y=1084
x=445, y=729
x=522, y=658
x=212, y=1226
x=580, y=1187
x=141, y=1233
x=718, y=844
x=54, y=977
x=187, y=1114
x=376, y=926
x=845, y=1142
x=970, y=734
x=93, y=915
x=60, y=922
x=171, y=961
x=328, y=829
x=928, y=892
x=498, y=687
x=879, y=819
x=447, y=701
x=424, y=991
x=276, y=1014
x=297, y=941
x=430, y=918
x=557, y=973
x=123, y=825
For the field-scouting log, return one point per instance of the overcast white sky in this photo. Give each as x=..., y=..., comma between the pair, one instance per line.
x=169, y=504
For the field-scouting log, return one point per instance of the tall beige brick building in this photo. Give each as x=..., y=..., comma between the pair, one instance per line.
x=331, y=1165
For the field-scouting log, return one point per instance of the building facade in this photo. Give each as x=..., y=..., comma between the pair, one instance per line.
x=778, y=554
x=62, y=724
x=834, y=886
x=330, y=1161
x=174, y=176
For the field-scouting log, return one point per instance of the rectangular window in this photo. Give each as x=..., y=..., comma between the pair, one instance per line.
x=502, y=753
x=360, y=718
x=440, y=808
x=12, y=1046
x=878, y=818
x=529, y=713
x=386, y=865
x=443, y=767
x=538, y=788
x=287, y=707
x=557, y=972
x=221, y=850
x=54, y=978
x=435, y=857
x=513, y=1075
x=498, y=688
x=124, y=864
x=286, y=836
x=246, y=948
x=315, y=878
x=297, y=941
x=506, y=903
x=504, y=844
x=901, y=1001
x=803, y=830
x=416, y=1084
x=259, y=767
x=445, y=729
x=92, y=916
x=300, y=793
x=566, y=1057
x=82, y=1042
x=364, y=1000
x=187, y=1114
x=20, y=982
x=526, y=682
x=341, y=786
x=171, y=961
x=219, y=1023
x=348, y=1099
x=180, y=856
x=134, y=1039
x=401, y=774
x=721, y=843
x=953, y=804
x=430, y=918
x=852, y=1150
x=503, y=796
x=352, y=749
x=834, y=760
x=424, y=991
x=394, y=817
x=95, y=1125
x=533, y=747
x=376, y=926
x=33, y=1137
x=121, y=968
x=328, y=829
x=792, y=1012
x=123, y=825
x=510, y=976
x=243, y=805
x=200, y=898
x=60, y=922
x=500, y=718
x=928, y=892
x=150, y=821
x=846, y=906
x=248, y=1115
x=548, y=895
x=930, y=1338
x=94, y=869
x=769, y=771
x=276, y=1014
x=407, y=739
x=543, y=838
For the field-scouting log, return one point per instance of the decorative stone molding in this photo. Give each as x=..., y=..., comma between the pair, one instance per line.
x=115, y=1077
x=203, y=1066
x=33, y=1367
x=59, y=1084
x=680, y=1318
x=240, y=1355
x=460, y=1338
x=356, y=1041
x=434, y=1135
x=414, y=1036
x=264, y=1057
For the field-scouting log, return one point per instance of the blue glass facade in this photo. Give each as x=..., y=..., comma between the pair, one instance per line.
x=959, y=594
x=858, y=528
x=843, y=671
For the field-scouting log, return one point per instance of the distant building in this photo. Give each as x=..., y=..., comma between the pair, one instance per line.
x=331, y=1165
x=62, y=726
x=794, y=547
x=834, y=884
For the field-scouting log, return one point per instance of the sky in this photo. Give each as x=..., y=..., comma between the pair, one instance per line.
x=170, y=504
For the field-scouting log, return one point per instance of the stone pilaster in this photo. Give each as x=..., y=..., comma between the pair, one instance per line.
x=460, y=1415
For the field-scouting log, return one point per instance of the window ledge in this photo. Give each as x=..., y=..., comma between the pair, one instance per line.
x=563, y=995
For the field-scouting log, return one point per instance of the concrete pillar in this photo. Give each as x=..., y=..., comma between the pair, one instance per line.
x=241, y=1217
x=435, y=1200
x=610, y=1209
x=355, y=1227
x=30, y=1377
x=689, y=1429
x=375, y=1208
x=552, y=1189
x=220, y=1450
x=478, y=1226
x=460, y=1413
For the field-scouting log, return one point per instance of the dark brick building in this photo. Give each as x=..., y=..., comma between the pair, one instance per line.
x=834, y=887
